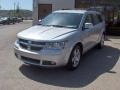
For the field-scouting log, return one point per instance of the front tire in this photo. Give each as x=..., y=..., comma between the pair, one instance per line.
x=75, y=58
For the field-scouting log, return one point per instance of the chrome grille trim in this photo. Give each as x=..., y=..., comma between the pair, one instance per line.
x=23, y=43
x=30, y=45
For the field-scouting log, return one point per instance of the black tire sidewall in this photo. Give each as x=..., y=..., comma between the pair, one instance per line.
x=100, y=45
x=70, y=63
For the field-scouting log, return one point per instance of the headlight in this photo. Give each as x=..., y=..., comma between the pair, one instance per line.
x=55, y=45
x=17, y=43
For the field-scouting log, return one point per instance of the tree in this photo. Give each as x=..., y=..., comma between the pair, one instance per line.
x=18, y=8
x=0, y=7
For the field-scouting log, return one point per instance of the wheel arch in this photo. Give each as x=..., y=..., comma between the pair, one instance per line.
x=81, y=46
x=68, y=65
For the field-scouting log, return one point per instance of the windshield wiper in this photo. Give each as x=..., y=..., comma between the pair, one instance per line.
x=64, y=26
x=44, y=25
x=57, y=26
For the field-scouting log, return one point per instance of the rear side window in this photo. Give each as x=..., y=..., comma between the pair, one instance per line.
x=97, y=19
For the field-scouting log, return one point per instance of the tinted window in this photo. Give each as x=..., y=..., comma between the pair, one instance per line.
x=69, y=20
x=100, y=18
x=88, y=19
x=96, y=19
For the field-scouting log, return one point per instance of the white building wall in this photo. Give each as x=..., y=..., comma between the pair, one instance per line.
x=56, y=5
x=64, y=4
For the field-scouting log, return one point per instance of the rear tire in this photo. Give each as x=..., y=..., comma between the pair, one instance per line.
x=101, y=43
x=75, y=58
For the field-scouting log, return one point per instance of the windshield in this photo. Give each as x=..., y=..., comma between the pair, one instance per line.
x=68, y=20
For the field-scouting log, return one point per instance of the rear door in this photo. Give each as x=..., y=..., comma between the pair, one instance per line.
x=98, y=26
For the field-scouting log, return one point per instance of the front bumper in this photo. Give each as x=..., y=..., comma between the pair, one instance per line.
x=44, y=58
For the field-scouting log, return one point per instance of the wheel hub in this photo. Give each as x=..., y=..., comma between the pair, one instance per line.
x=76, y=57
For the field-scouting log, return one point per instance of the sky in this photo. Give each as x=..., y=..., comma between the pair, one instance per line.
x=9, y=4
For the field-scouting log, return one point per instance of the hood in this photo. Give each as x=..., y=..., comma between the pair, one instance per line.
x=45, y=33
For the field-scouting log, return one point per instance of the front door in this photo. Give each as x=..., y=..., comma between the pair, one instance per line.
x=87, y=33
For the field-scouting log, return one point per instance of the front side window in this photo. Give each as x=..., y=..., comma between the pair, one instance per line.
x=88, y=22
x=88, y=19
x=68, y=20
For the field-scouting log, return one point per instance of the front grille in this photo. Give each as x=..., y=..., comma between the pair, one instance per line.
x=38, y=43
x=22, y=40
x=23, y=46
x=30, y=60
x=48, y=63
x=36, y=48
x=31, y=45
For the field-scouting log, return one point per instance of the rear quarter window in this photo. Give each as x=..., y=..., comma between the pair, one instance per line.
x=97, y=18
x=100, y=18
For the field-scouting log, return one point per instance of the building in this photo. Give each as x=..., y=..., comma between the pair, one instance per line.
x=43, y=7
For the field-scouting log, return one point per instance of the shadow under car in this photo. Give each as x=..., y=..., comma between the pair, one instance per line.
x=93, y=64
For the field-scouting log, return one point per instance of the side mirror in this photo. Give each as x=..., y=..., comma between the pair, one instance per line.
x=88, y=26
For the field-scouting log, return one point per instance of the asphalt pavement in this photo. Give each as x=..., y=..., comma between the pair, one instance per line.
x=99, y=69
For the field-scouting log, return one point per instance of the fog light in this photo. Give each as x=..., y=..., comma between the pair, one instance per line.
x=48, y=63
x=16, y=55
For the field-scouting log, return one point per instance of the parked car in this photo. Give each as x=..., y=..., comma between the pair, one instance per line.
x=14, y=19
x=20, y=19
x=17, y=20
x=0, y=20
x=6, y=20
x=61, y=38
x=0, y=17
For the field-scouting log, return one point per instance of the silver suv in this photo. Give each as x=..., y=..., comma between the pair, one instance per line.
x=61, y=38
